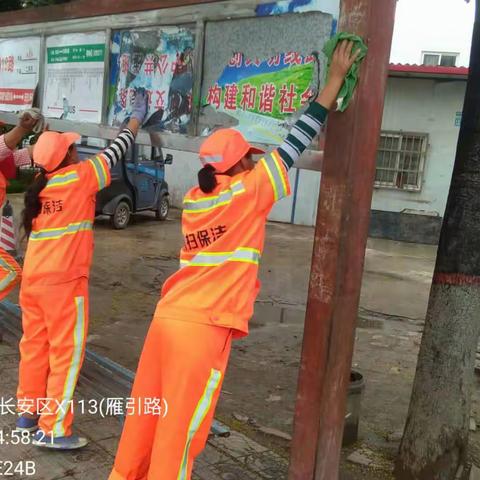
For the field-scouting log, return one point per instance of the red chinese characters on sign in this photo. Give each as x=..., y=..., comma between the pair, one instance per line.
x=274, y=61
x=267, y=96
x=287, y=97
x=160, y=103
x=236, y=61
x=7, y=64
x=123, y=97
x=214, y=96
x=16, y=96
x=292, y=58
x=248, y=97
x=162, y=65
x=230, y=100
x=127, y=96
x=149, y=65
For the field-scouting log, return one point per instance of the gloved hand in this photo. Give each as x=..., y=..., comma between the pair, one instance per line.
x=32, y=120
x=140, y=106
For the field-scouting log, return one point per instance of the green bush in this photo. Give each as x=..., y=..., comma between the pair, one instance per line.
x=22, y=182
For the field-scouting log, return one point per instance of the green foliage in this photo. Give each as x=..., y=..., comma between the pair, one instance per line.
x=4, y=128
x=21, y=183
x=6, y=5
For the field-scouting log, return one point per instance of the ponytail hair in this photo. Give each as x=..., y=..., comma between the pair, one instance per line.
x=33, y=206
x=206, y=179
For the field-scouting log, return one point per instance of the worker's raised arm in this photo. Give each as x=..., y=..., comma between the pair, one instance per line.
x=310, y=123
x=29, y=121
x=119, y=147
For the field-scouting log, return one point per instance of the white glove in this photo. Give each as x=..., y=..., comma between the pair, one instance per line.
x=34, y=114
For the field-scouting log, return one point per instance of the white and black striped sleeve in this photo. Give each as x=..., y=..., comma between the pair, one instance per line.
x=119, y=147
x=302, y=134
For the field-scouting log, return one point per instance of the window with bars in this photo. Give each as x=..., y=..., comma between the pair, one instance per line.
x=401, y=160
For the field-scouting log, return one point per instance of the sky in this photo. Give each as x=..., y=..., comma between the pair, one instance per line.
x=432, y=25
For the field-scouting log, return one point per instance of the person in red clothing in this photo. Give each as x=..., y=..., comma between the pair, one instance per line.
x=58, y=219
x=210, y=299
x=10, y=159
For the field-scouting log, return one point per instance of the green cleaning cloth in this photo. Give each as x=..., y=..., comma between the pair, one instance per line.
x=348, y=87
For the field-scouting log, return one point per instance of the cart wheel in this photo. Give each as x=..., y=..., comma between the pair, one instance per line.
x=121, y=216
x=163, y=208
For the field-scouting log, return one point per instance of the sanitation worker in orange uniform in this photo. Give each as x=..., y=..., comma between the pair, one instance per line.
x=10, y=158
x=58, y=218
x=210, y=299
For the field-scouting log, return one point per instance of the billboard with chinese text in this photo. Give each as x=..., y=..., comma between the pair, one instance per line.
x=259, y=73
x=74, y=77
x=261, y=94
x=19, y=71
x=160, y=60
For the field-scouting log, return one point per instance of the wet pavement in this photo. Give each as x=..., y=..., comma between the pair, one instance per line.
x=260, y=385
x=234, y=458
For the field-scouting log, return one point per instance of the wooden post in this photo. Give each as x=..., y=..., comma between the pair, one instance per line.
x=339, y=249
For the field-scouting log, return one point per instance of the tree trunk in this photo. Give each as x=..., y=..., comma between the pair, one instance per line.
x=436, y=433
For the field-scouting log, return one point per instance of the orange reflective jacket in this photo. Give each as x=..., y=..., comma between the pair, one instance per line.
x=60, y=247
x=224, y=235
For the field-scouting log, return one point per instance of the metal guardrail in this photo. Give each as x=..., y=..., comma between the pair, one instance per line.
x=310, y=159
x=100, y=376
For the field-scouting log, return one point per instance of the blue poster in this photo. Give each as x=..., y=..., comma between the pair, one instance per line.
x=161, y=61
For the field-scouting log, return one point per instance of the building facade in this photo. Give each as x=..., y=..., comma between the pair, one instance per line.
x=421, y=122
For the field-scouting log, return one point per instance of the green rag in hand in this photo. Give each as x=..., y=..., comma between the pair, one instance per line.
x=348, y=87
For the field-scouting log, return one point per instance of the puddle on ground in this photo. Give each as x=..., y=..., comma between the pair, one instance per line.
x=268, y=314
x=368, y=322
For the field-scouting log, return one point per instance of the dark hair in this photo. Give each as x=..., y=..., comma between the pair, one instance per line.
x=206, y=179
x=33, y=206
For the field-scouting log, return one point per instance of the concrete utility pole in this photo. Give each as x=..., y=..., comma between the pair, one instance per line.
x=339, y=249
x=436, y=434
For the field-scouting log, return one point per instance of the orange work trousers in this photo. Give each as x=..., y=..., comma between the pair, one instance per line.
x=10, y=273
x=52, y=348
x=182, y=365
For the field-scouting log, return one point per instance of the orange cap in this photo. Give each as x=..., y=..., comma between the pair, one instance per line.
x=52, y=147
x=224, y=148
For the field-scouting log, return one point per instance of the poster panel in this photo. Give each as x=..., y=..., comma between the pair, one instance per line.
x=261, y=95
x=259, y=73
x=19, y=67
x=74, y=77
x=161, y=61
